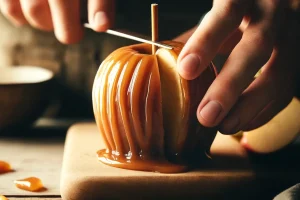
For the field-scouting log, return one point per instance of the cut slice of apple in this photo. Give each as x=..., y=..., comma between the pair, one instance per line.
x=282, y=130
x=174, y=103
x=184, y=135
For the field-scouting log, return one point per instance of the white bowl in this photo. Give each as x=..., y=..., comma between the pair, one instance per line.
x=25, y=93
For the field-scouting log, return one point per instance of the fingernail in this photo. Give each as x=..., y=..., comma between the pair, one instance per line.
x=189, y=64
x=100, y=19
x=230, y=125
x=211, y=111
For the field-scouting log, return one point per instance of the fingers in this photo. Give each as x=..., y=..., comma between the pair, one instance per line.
x=229, y=44
x=62, y=16
x=37, y=13
x=237, y=73
x=101, y=14
x=217, y=25
x=66, y=20
x=268, y=113
x=269, y=93
x=252, y=52
x=12, y=10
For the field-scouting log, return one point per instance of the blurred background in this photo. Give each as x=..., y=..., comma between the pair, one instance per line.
x=76, y=65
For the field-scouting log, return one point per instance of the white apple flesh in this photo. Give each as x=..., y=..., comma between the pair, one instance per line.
x=279, y=132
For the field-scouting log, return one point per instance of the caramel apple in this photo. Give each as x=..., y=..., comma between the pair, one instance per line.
x=146, y=113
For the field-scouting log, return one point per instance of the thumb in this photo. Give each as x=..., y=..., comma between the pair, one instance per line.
x=215, y=28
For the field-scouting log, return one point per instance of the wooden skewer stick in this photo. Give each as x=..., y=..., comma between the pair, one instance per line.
x=154, y=25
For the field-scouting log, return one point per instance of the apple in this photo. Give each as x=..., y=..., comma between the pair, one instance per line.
x=279, y=132
x=146, y=113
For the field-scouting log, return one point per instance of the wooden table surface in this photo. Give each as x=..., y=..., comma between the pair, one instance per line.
x=37, y=152
x=34, y=198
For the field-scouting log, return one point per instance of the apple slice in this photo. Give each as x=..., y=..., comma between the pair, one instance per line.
x=185, y=137
x=280, y=131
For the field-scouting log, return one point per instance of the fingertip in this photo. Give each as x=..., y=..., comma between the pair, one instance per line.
x=38, y=14
x=100, y=21
x=66, y=20
x=209, y=114
x=189, y=66
x=68, y=37
x=13, y=12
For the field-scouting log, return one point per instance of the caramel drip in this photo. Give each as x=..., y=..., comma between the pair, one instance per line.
x=149, y=101
x=113, y=78
x=104, y=108
x=153, y=112
x=32, y=184
x=137, y=98
x=103, y=121
x=123, y=86
x=96, y=105
x=4, y=167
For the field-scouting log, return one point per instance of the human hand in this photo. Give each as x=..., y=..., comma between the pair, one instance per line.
x=258, y=34
x=61, y=16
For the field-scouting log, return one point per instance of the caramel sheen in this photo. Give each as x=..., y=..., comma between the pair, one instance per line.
x=4, y=167
x=2, y=197
x=144, y=110
x=32, y=184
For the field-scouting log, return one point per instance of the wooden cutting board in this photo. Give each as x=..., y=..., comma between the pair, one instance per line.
x=231, y=174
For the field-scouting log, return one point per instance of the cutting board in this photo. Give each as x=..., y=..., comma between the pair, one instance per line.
x=233, y=173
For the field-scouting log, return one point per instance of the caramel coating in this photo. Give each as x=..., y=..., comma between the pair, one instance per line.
x=2, y=197
x=32, y=184
x=146, y=112
x=4, y=167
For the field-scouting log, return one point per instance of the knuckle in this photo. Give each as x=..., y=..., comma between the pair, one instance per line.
x=264, y=40
x=233, y=9
x=228, y=91
x=274, y=4
x=36, y=9
x=272, y=9
x=260, y=42
x=11, y=10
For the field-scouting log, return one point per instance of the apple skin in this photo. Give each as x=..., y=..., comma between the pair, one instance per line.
x=278, y=133
x=129, y=99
